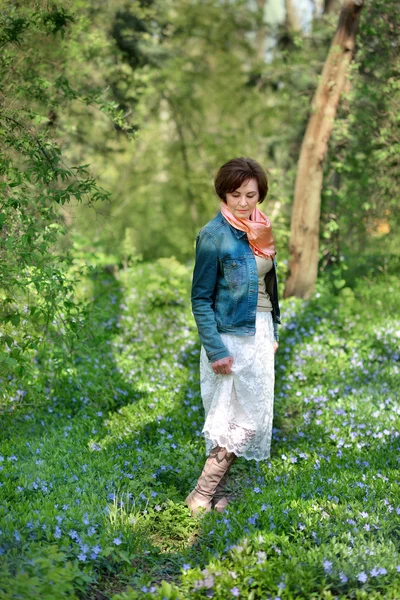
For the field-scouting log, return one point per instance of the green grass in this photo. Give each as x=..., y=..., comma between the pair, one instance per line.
x=100, y=447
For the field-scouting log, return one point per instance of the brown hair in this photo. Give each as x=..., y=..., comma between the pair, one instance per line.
x=233, y=173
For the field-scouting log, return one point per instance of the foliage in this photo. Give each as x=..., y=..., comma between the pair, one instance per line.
x=35, y=287
x=359, y=210
x=45, y=574
x=102, y=445
x=167, y=283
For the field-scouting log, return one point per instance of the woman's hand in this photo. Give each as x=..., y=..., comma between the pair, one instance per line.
x=222, y=366
x=276, y=345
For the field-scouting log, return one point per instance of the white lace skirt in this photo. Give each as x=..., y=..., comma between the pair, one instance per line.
x=239, y=407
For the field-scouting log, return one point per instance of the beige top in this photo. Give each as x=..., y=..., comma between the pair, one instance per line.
x=264, y=265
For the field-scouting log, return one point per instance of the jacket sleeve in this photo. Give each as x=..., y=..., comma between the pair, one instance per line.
x=276, y=335
x=202, y=296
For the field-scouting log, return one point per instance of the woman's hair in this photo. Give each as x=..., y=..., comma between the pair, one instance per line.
x=236, y=171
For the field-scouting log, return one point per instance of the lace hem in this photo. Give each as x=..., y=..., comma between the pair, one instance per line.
x=217, y=442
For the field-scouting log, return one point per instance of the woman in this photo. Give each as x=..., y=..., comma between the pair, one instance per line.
x=236, y=309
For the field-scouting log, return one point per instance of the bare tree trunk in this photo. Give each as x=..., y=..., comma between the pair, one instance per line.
x=292, y=17
x=318, y=8
x=304, y=234
x=261, y=31
x=330, y=6
x=190, y=199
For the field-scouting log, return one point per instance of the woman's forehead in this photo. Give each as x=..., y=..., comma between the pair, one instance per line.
x=246, y=186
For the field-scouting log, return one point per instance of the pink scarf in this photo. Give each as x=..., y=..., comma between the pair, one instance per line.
x=258, y=229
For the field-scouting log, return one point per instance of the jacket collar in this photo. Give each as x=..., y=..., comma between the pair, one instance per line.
x=237, y=232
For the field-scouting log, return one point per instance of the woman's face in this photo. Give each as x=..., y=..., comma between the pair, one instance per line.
x=242, y=201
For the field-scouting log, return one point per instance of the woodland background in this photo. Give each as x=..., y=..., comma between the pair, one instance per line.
x=114, y=119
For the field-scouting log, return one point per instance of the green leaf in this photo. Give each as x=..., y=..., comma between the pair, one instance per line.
x=15, y=319
x=339, y=283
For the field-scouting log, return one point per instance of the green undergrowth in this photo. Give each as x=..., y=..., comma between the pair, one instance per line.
x=100, y=446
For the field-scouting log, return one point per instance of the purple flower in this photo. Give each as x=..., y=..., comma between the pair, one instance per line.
x=362, y=577
x=73, y=534
x=235, y=591
x=117, y=541
x=378, y=571
x=261, y=557
x=282, y=585
x=327, y=566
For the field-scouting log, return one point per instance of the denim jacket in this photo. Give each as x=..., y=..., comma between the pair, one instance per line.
x=225, y=286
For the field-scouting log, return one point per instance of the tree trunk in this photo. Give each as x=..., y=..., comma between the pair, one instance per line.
x=330, y=6
x=304, y=234
x=261, y=31
x=318, y=8
x=189, y=199
x=292, y=17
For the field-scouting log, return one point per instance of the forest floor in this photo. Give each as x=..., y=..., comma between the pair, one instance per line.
x=100, y=447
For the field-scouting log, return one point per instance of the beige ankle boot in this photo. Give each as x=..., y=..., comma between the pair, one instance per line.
x=216, y=465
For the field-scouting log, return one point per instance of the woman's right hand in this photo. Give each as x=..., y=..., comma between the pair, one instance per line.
x=223, y=366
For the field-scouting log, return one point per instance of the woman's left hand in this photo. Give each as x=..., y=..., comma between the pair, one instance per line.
x=276, y=346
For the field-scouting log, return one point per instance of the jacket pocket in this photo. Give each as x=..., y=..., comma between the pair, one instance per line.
x=235, y=272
